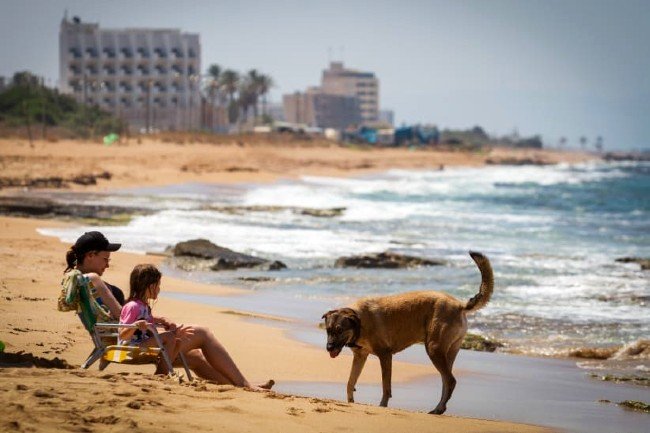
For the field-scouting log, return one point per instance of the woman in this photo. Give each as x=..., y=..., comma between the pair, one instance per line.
x=205, y=355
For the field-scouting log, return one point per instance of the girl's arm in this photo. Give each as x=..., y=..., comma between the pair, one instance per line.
x=127, y=333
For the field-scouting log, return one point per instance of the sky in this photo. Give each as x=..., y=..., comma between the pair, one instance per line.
x=555, y=68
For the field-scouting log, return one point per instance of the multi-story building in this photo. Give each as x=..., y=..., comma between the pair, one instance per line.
x=387, y=117
x=338, y=80
x=147, y=77
x=325, y=110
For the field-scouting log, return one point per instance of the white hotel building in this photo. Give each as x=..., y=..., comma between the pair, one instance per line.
x=147, y=77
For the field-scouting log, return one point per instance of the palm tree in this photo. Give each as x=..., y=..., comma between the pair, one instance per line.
x=252, y=89
x=264, y=85
x=563, y=142
x=214, y=72
x=230, y=82
x=599, y=143
x=583, y=141
x=247, y=96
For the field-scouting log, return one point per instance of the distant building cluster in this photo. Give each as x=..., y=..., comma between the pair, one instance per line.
x=345, y=97
x=151, y=79
x=147, y=77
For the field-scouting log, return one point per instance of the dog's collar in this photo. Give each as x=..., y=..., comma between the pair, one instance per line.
x=353, y=344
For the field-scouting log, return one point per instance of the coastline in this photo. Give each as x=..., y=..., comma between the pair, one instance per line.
x=26, y=296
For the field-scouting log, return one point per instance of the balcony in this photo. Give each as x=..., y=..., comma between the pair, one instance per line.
x=109, y=53
x=92, y=53
x=126, y=53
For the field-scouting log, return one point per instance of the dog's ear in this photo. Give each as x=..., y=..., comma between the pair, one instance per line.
x=353, y=316
x=328, y=313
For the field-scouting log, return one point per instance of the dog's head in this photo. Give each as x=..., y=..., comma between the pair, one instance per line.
x=343, y=327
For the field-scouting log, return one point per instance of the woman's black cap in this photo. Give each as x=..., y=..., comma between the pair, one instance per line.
x=94, y=241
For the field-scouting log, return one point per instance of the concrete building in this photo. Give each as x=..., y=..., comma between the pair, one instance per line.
x=387, y=117
x=338, y=80
x=319, y=109
x=147, y=77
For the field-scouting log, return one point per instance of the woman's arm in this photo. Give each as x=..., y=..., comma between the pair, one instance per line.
x=105, y=293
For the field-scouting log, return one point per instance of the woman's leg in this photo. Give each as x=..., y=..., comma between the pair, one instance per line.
x=197, y=363
x=215, y=354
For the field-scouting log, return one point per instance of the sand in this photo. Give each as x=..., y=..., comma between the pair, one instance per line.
x=129, y=397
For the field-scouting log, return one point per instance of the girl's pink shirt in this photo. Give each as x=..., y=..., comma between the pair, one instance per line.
x=135, y=310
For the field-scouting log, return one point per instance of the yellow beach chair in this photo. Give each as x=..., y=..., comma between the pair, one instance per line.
x=78, y=294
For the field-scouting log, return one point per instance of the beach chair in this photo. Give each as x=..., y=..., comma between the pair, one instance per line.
x=78, y=294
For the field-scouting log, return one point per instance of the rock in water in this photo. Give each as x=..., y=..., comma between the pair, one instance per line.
x=387, y=260
x=201, y=254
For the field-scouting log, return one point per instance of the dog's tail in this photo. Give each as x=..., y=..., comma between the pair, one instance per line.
x=487, y=283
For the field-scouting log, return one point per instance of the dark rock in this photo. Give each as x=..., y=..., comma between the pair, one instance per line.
x=387, y=259
x=201, y=254
x=323, y=213
x=479, y=343
x=517, y=161
x=55, y=182
x=627, y=156
x=635, y=405
x=256, y=279
x=594, y=352
x=644, y=262
x=45, y=207
x=239, y=210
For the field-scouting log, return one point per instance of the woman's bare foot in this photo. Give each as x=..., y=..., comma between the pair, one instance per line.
x=268, y=385
x=262, y=387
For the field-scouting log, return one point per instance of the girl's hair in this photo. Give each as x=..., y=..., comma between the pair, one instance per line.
x=143, y=276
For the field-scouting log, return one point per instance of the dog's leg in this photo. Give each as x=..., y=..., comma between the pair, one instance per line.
x=386, y=361
x=439, y=357
x=357, y=365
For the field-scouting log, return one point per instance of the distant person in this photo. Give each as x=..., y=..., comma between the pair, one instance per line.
x=91, y=255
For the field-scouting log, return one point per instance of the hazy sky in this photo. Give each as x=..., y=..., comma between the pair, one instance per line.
x=553, y=67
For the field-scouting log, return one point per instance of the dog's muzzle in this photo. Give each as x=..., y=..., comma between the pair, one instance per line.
x=333, y=350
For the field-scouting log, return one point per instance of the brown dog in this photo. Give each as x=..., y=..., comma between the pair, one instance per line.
x=387, y=325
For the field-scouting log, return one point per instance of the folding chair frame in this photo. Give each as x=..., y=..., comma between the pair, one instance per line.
x=111, y=330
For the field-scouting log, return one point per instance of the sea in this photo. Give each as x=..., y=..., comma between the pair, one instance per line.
x=552, y=233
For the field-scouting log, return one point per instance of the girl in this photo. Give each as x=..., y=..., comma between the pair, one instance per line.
x=145, y=286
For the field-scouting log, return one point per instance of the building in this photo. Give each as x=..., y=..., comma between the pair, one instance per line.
x=147, y=77
x=386, y=117
x=275, y=111
x=338, y=80
x=319, y=109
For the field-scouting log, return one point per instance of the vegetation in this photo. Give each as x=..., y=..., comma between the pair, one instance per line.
x=238, y=93
x=27, y=102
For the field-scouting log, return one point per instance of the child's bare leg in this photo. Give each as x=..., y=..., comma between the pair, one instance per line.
x=171, y=347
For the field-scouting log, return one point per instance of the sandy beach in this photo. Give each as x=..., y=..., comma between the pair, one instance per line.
x=130, y=398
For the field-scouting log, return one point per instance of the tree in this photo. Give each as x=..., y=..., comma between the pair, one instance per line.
x=583, y=141
x=599, y=143
x=265, y=84
x=562, y=142
x=230, y=83
x=214, y=73
x=251, y=88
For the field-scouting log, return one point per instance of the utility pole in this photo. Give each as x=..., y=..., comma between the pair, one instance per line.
x=43, y=97
x=85, y=97
x=148, y=106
